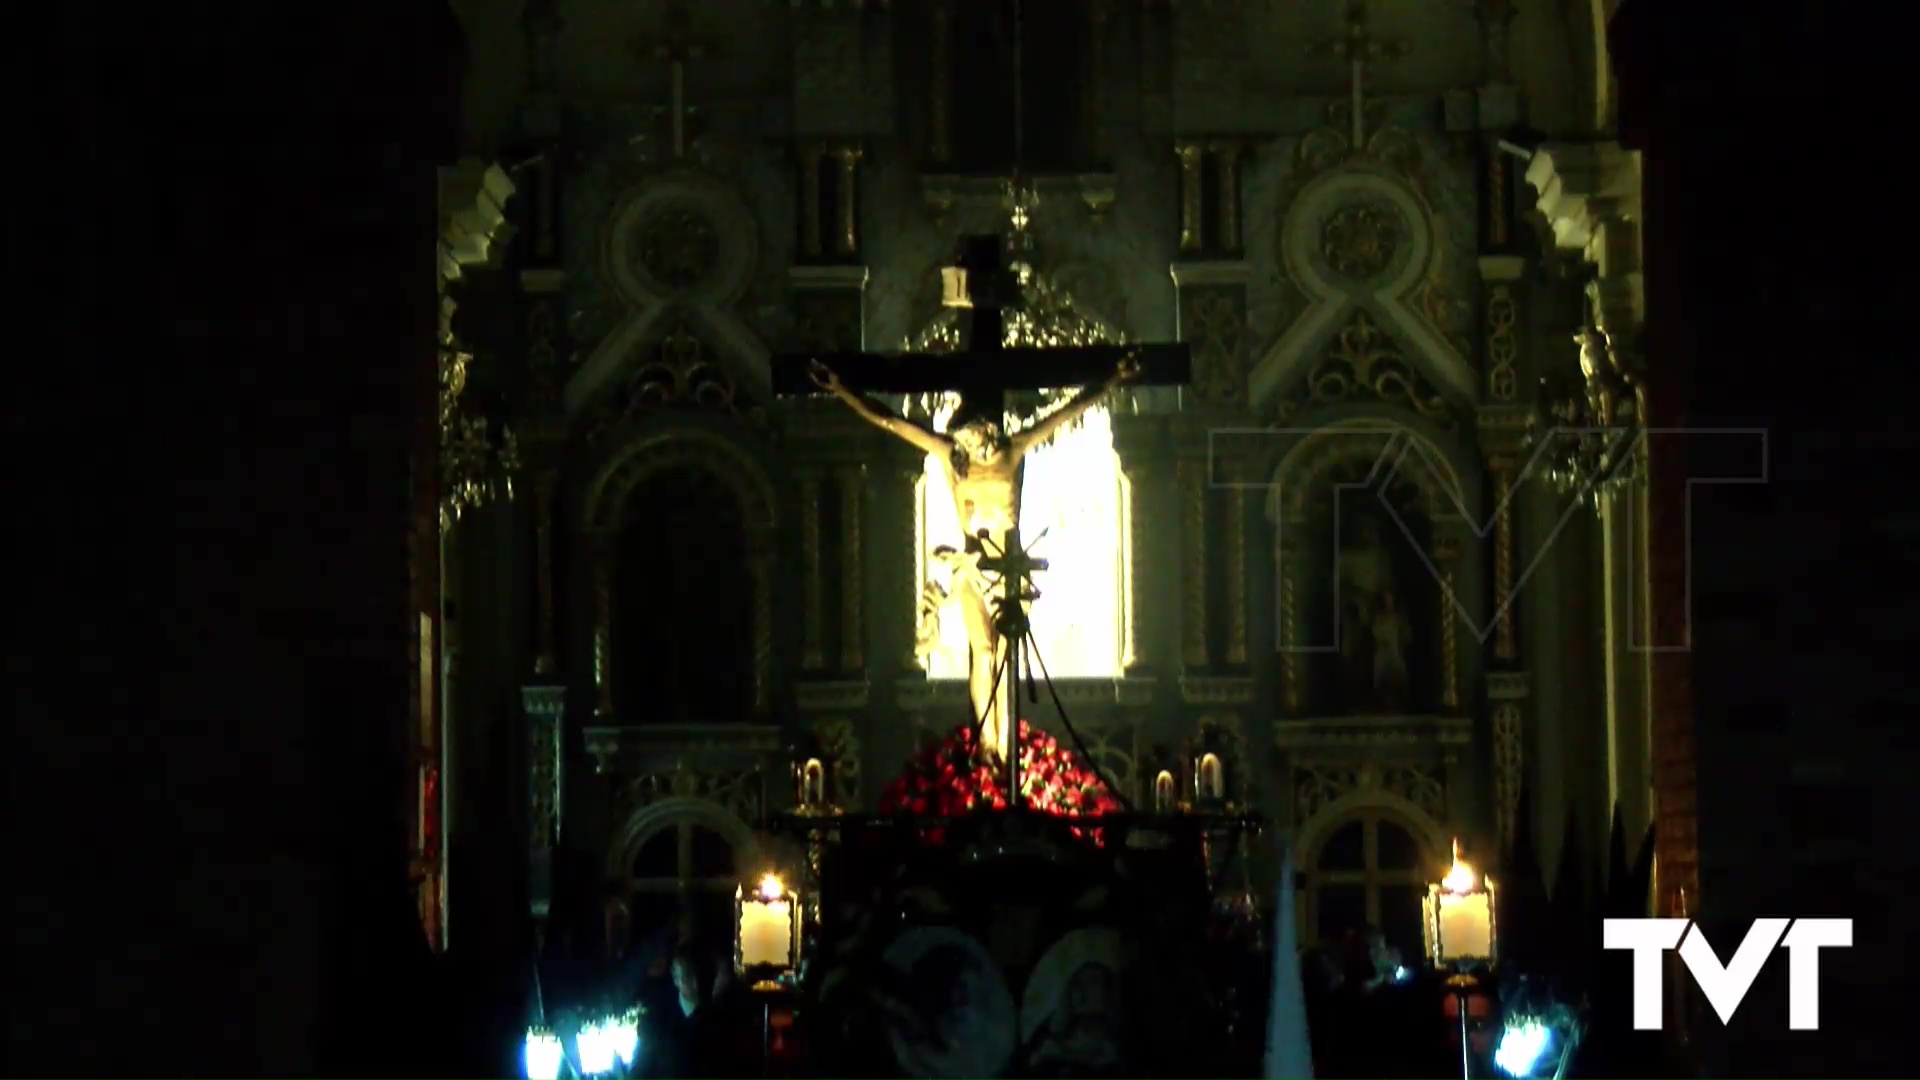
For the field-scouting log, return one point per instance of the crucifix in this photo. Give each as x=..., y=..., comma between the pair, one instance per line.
x=981, y=458
x=1358, y=47
x=676, y=47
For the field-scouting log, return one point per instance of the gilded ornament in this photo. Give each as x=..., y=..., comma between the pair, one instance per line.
x=677, y=246
x=1359, y=241
x=1364, y=362
x=678, y=375
x=1502, y=317
x=1215, y=329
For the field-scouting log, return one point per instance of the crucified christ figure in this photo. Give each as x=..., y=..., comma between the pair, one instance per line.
x=982, y=464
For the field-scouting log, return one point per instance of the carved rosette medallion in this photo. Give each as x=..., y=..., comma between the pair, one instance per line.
x=677, y=246
x=1359, y=241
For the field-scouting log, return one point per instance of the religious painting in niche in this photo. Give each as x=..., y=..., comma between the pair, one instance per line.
x=683, y=607
x=947, y=1010
x=1073, y=1015
x=1379, y=606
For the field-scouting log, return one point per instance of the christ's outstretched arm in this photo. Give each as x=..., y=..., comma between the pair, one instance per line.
x=879, y=417
x=1127, y=371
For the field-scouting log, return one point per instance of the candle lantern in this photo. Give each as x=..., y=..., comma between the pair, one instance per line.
x=811, y=776
x=767, y=923
x=1166, y=797
x=1209, y=777
x=1458, y=917
x=812, y=792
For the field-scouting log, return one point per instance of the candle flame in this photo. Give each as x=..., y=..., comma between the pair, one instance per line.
x=771, y=888
x=1460, y=879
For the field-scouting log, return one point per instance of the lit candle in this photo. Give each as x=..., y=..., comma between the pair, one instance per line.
x=766, y=926
x=1460, y=910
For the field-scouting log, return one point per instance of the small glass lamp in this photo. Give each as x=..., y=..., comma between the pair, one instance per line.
x=542, y=1054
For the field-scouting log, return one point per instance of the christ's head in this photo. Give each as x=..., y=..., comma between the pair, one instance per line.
x=980, y=440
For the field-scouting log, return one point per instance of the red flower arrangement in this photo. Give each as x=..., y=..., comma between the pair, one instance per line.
x=947, y=778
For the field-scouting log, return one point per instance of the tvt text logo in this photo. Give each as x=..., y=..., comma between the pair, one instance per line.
x=1726, y=986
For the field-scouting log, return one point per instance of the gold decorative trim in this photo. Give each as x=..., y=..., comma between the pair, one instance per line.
x=853, y=603
x=813, y=616
x=1497, y=198
x=1508, y=768
x=1446, y=555
x=1193, y=551
x=600, y=555
x=1504, y=645
x=1503, y=346
x=1291, y=692
x=1228, y=690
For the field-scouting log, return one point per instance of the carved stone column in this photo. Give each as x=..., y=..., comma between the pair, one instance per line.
x=813, y=618
x=1212, y=299
x=812, y=228
x=853, y=597
x=1192, y=157
x=1292, y=563
x=1590, y=194
x=1233, y=476
x=846, y=233
x=1226, y=156
x=1195, y=650
x=545, y=711
x=1446, y=560
x=1507, y=696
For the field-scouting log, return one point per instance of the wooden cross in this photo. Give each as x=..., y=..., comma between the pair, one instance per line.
x=676, y=47
x=1358, y=47
x=983, y=369
x=984, y=287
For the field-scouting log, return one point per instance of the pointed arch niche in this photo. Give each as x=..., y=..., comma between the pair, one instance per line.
x=1376, y=568
x=680, y=548
x=1073, y=491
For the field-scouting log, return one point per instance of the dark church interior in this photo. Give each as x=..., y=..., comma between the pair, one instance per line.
x=450, y=583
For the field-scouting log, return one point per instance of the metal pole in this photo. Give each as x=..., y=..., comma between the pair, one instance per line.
x=766, y=1035
x=1012, y=578
x=1466, y=1058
